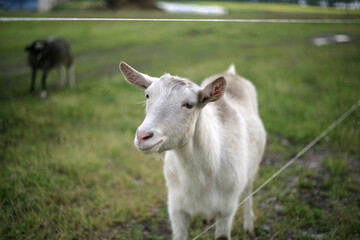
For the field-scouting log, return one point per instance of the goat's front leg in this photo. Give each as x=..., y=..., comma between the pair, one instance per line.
x=33, y=78
x=249, y=215
x=180, y=222
x=43, y=92
x=223, y=226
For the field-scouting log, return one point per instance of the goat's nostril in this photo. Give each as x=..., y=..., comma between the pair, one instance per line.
x=148, y=136
x=143, y=136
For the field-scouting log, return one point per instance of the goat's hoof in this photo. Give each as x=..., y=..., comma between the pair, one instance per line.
x=205, y=222
x=248, y=226
x=222, y=238
x=43, y=94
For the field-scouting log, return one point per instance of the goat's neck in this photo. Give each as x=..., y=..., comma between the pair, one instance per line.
x=201, y=152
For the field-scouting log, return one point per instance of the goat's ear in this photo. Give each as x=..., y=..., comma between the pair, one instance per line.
x=134, y=77
x=213, y=91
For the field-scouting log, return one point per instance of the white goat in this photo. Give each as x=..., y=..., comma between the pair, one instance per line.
x=213, y=150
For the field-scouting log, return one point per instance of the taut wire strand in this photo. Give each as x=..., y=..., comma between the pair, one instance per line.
x=305, y=149
x=23, y=19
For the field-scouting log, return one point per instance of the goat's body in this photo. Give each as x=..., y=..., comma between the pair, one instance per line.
x=207, y=175
x=47, y=54
x=57, y=53
x=214, y=141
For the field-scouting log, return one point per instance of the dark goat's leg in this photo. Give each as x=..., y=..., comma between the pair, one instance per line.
x=33, y=78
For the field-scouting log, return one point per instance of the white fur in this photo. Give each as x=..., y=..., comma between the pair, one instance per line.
x=62, y=76
x=212, y=150
x=71, y=76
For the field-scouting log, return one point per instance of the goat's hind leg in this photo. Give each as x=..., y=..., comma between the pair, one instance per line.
x=249, y=215
x=62, y=76
x=71, y=75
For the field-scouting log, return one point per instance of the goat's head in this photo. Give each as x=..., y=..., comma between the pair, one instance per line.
x=37, y=49
x=172, y=108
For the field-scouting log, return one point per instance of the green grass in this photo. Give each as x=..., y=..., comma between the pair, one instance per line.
x=69, y=169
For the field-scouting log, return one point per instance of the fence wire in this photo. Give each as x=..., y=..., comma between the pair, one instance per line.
x=60, y=19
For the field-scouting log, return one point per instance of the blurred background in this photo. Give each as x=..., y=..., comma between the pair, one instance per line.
x=68, y=167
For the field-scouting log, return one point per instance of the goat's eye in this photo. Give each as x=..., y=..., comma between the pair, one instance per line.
x=188, y=105
x=147, y=96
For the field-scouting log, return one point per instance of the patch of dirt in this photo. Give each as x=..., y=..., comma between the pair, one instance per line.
x=313, y=159
x=146, y=229
x=12, y=69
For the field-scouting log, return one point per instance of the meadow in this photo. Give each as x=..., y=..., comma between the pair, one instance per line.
x=68, y=167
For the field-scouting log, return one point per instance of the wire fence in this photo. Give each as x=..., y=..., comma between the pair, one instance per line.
x=60, y=19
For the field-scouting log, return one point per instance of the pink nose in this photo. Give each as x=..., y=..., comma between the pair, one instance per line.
x=143, y=136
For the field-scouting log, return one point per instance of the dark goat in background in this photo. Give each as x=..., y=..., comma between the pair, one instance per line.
x=49, y=53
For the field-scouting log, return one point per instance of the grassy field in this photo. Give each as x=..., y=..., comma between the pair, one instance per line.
x=68, y=167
